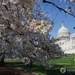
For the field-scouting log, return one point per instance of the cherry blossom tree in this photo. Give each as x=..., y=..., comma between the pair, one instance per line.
x=24, y=32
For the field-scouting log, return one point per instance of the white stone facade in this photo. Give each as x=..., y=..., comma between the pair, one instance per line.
x=66, y=40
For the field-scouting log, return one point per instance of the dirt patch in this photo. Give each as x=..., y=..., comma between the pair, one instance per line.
x=27, y=74
x=12, y=71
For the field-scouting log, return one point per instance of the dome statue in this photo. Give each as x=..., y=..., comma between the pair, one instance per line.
x=63, y=32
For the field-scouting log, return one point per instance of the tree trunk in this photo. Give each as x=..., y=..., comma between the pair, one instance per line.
x=30, y=64
x=2, y=61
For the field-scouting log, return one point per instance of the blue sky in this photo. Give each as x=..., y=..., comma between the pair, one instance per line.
x=58, y=17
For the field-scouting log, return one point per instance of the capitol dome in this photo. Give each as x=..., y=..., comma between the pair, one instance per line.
x=63, y=32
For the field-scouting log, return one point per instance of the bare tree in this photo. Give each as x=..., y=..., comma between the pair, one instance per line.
x=69, y=6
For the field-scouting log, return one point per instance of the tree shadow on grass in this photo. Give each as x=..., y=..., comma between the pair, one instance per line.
x=39, y=68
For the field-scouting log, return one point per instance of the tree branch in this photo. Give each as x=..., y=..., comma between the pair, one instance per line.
x=61, y=9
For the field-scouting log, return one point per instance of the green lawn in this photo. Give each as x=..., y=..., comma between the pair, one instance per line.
x=66, y=62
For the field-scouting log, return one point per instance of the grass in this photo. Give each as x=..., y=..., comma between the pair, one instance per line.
x=13, y=60
x=66, y=62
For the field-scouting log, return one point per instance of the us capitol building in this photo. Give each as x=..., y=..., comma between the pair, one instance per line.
x=66, y=40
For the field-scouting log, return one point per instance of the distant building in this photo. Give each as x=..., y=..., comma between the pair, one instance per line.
x=66, y=40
